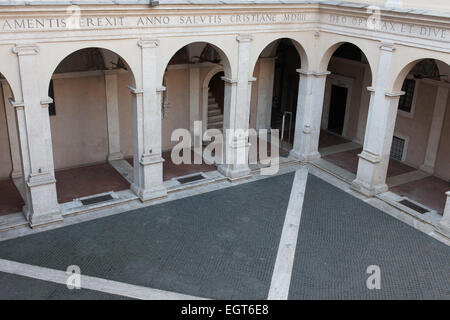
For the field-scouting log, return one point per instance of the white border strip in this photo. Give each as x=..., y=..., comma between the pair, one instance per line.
x=281, y=277
x=92, y=283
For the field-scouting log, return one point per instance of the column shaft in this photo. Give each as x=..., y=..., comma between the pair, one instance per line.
x=435, y=130
x=309, y=115
x=236, y=116
x=36, y=143
x=148, y=181
x=112, y=112
x=374, y=159
x=265, y=92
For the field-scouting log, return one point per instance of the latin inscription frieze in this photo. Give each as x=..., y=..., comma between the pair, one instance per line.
x=84, y=22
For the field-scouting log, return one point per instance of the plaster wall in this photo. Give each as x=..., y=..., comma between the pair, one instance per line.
x=79, y=129
x=178, y=98
x=355, y=71
x=417, y=128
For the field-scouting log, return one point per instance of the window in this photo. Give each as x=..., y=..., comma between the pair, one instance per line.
x=397, y=149
x=51, y=106
x=405, y=103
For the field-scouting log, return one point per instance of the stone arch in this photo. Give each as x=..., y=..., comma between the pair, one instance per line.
x=263, y=45
x=326, y=57
x=63, y=54
x=401, y=74
x=225, y=57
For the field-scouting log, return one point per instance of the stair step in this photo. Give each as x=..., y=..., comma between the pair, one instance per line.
x=215, y=118
x=211, y=100
x=215, y=126
x=213, y=105
x=214, y=113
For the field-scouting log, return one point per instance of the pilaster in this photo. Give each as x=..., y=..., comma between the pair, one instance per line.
x=36, y=144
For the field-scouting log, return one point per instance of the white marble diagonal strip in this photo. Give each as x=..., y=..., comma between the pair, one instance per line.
x=92, y=283
x=281, y=277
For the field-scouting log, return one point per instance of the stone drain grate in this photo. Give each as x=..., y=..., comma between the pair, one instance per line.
x=191, y=179
x=414, y=206
x=95, y=200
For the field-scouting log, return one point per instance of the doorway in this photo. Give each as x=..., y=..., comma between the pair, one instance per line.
x=338, y=103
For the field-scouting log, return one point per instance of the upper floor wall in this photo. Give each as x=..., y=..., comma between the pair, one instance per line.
x=316, y=28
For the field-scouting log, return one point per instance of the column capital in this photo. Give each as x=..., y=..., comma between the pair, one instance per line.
x=387, y=46
x=109, y=72
x=267, y=59
x=448, y=193
x=135, y=90
x=229, y=81
x=313, y=73
x=25, y=49
x=148, y=43
x=16, y=104
x=394, y=94
x=244, y=38
x=45, y=102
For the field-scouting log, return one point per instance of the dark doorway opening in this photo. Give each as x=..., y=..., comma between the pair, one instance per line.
x=338, y=104
x=285, y=89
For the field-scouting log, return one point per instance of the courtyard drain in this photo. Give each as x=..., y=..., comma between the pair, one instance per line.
x=95, y=200
x=414, y=206
x=197, y=177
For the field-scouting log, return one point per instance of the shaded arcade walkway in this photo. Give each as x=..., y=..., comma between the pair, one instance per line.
x=10, y=199
x=429, y=191
x=172, y=170
x=86, y=181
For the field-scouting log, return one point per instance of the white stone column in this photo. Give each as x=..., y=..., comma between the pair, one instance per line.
x=309, y=115
x=236, y=115
x=444, y=224
x=434, y=136
x=194, y=96
x=265, y=92
x=112, y=112
x=374, y=159
x=12, y=131
x=36, y=143
x=147, y=131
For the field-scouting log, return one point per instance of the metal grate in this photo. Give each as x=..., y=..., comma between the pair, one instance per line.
x=190, y=179
x=414, y=206
x=95, y=200
x=397, y=149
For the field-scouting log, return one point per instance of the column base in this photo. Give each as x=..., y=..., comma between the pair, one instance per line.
x=115, y=156
x=16, y=175
x=42, y=207
x=368, y=190
x=41, y=220
x=427, y=169
x=444, y=228
x=234, y=173
x=149, y=194
x=304, y=158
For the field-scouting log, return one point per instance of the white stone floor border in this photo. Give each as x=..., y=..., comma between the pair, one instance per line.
x=281, y=277
x=92, y=283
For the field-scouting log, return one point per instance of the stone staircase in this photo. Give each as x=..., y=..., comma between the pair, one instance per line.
x=215, y=116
